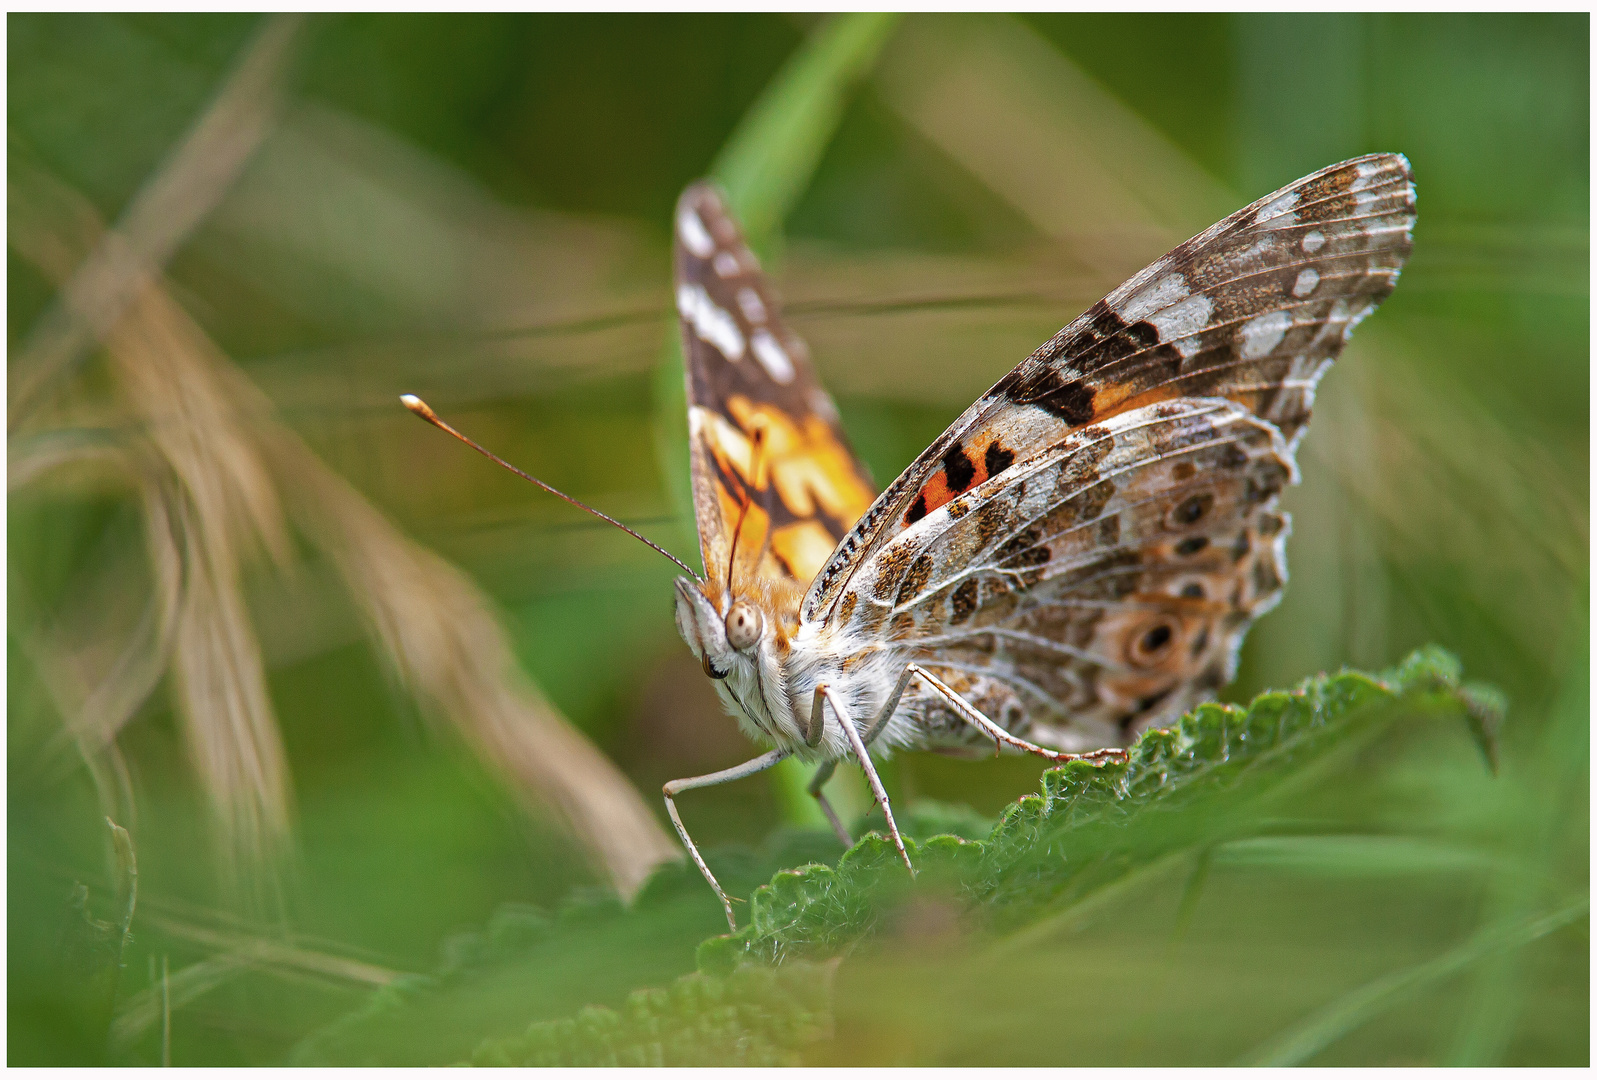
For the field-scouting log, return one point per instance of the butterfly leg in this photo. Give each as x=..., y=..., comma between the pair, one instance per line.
x=677, y=787
x=822, y=775
x=1000, y=737
x=886, y=714
x=846, y=722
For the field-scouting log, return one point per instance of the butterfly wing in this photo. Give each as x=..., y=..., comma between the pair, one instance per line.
x=772, y=469
x=1253, y=310
x=1097, y=587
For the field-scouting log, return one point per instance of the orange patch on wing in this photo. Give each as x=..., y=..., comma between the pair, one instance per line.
x=804, y=465
x=809, y=468
x=750, y=539
x=933, y=495
x=938, y=492
x=1109, y=400
x=803, y=547
x=1113, y=399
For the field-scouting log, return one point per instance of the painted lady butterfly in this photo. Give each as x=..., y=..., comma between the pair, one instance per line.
x=1076, y=558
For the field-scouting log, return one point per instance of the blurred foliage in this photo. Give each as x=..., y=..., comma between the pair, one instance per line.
x=757, y=1016
x=476, y=209
x=1187, y=797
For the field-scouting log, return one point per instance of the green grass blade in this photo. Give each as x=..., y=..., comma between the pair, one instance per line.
x=772, y=155
x=1345, y=856
x=1301, y=1042
x=1550, y=792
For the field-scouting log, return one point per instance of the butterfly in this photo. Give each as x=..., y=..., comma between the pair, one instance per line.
x=1075, y=559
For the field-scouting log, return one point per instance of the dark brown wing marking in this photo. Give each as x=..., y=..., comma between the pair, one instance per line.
x=1254, y=309
x=767, y=449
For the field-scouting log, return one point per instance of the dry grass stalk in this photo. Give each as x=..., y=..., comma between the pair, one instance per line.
x=178, y=196
x=438, y=629
x=96, y=667
x=219, y=508
x=233, y=954
x=211, y=427
x=1077, y=162
x=146, y=1008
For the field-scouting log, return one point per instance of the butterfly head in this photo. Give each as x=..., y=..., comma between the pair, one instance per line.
x=724, y=637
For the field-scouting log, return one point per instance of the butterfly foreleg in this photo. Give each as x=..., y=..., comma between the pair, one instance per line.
x=846, y=722
x=892, y=703
x=676, y=787
x=1001, y=738
x=822, y=775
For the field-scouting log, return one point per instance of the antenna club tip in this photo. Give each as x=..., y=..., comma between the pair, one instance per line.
x=416, y=405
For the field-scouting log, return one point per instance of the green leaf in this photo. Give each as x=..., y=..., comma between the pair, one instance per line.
x=1341, y=856
x=1182, y=789
x=754, y=1016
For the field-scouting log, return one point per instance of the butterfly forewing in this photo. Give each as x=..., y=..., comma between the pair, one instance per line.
x=1251, y=310
x=1098, y=587
x=767, y=448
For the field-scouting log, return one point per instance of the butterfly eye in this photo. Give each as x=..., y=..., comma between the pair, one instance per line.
x=1153, y=642
x=743, y=625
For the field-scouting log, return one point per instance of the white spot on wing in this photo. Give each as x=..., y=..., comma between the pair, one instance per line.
x=772, y=357
x=1333, y=323
x=1313, y=241
x=710, y=322
x=1179, y=324
x=1367, y=172
x=753, y=308
x=1308, y=279
x=1168, y=290
x=693, y=233
x=1277, y=213
x=821, y=405
x=1262, y=334
x=726, y=264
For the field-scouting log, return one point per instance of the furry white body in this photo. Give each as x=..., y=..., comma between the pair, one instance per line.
x=770, y=688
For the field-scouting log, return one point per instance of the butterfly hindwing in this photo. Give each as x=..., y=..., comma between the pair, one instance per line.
x=1252, y=310
x=755, y=407
x=1097, y=587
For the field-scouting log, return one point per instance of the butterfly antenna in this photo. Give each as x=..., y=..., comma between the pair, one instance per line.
x=744, y=502
x=423, y=410
x=764, y=494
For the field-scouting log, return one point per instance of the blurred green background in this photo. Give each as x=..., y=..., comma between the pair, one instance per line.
x=305, y=719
